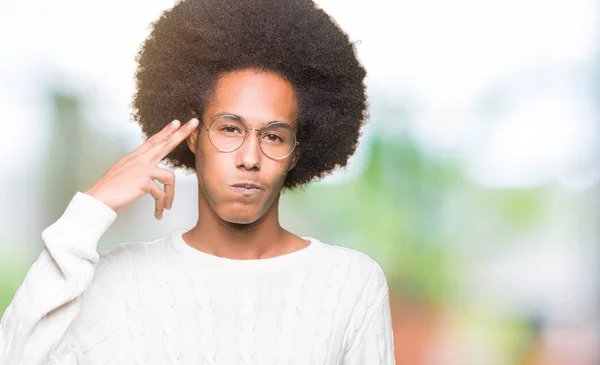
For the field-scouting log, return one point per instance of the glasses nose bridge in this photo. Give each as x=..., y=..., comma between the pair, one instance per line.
x=253, y=129
x=258, y=132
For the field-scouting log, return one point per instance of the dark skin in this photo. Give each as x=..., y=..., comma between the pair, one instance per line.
x=233, y=224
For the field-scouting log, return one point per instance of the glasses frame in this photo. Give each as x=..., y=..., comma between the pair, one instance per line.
x=258, y=133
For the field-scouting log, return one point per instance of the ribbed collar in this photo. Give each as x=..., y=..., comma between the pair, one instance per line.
x=205, y=260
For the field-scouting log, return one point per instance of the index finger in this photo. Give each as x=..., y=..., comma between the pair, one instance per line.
x=156, y=138
x=168, y=144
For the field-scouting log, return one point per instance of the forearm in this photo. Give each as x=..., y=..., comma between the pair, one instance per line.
x=46, y=302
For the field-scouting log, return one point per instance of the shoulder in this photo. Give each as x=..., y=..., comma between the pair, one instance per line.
x=115, y=290
x=121, y=268
x=360, y=268
x=131, y=255
x=368, y=291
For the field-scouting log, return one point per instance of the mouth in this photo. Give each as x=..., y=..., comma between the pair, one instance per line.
x=246, y=188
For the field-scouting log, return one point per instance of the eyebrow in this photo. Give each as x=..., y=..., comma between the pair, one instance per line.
x=273, y=122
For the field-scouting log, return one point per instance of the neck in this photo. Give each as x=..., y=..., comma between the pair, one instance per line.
x=263, y=238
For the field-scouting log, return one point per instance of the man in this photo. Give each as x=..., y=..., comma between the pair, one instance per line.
x=277, y=99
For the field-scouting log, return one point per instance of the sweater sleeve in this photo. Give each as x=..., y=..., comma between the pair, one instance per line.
x=34, y=326
x=372, y=340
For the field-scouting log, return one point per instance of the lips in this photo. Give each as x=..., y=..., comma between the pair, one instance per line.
x=246, y=188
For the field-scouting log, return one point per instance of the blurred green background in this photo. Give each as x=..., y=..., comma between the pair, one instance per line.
x=475, y=186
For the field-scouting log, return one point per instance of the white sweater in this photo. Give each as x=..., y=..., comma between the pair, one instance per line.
x=164, y=302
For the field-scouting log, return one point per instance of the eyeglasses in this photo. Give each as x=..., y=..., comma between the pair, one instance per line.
x=227, y=133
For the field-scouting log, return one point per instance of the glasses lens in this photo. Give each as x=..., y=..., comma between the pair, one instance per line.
x=277, y=140
x=226, y=133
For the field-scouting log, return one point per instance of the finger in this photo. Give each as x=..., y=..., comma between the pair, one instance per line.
x=160, y=150
x=170, y=191
x=159, y=197
x=158, y=137
x=167, y=178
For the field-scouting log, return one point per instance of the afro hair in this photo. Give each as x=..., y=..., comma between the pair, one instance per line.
x=196, y=41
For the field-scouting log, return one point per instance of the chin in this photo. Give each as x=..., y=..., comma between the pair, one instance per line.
x=240, y=215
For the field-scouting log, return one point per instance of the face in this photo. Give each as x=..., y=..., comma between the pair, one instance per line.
x=258, y=99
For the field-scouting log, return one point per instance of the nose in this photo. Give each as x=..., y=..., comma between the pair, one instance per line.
x=249, y=154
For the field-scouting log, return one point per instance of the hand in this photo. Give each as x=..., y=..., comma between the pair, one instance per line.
x=133, y=176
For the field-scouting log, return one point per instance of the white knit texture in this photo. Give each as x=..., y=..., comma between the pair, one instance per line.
x=163, y=302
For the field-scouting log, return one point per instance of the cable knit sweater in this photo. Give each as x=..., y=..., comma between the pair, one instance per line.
x=164, y=302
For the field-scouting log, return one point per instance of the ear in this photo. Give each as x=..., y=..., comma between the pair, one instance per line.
x=295, y=158
x=192, y=141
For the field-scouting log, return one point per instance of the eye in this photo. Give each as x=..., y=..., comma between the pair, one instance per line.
x=273, y=138
x=229, y=129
